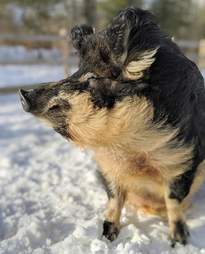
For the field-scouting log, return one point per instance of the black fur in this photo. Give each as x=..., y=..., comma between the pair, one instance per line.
x=180, y=187
x=105, y=184
x=102, y=94
x=79, y=34
x=173, y=84
x=110, y=231
x=106, y=53
x=181, y=233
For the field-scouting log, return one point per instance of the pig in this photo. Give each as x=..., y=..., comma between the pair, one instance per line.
x=149, y=157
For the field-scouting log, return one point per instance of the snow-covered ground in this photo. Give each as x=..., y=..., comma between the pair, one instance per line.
x=52, y=203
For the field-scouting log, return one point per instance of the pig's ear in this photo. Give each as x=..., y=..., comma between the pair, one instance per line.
x=118, y=32
x=79, y=34
x=117, y=37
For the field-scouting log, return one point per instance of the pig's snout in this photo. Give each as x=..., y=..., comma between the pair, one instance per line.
x=26, y=99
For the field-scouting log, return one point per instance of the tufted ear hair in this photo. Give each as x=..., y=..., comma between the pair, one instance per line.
x=118, y=32
x=79, y=33
x=128, y=39
x=134, y=70
x=116, y=36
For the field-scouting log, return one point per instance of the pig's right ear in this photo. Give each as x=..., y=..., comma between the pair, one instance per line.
x=79, y=34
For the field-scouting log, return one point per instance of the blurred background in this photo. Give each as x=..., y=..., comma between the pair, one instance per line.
x=34, y=35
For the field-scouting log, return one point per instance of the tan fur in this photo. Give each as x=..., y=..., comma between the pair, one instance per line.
x=86, y=76
x=150, y=204
x=134, y=154
x=135, y=69
x=114, y=208
x=126, y=133
x=174, y=213
x=146, y=203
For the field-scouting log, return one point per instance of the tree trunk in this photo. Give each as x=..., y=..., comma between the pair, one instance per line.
x=136, y=3
x=90, y=12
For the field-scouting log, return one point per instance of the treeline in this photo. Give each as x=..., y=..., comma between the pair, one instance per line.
x=182, y=19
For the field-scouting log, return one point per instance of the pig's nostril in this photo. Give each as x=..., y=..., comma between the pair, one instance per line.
x=25, y=100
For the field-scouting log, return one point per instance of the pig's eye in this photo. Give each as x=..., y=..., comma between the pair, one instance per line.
x=54, y=108
x=61, y=105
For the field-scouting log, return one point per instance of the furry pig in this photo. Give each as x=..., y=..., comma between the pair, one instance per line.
x=145, y=159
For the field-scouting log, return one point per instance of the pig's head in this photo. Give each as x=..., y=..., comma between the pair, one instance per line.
x=78, y=110
x=90, y=113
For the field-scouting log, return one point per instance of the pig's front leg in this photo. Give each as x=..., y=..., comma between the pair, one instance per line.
x=111, y=225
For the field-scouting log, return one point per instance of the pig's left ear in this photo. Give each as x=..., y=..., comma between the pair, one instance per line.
x=102, y=92
x=121, y=36
x=118, y=32
x=79, y=34
x=116, y=36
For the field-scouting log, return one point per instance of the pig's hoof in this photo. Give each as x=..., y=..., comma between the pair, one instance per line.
x=180, y=233
x=110, y=231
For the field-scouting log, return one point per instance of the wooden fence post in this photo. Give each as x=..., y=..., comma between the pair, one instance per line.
x=65, y=47
x=201, y=54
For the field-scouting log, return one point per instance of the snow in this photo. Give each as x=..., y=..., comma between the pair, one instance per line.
x=52, y=203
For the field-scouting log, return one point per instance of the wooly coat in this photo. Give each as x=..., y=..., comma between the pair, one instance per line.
x=133, y=47
x=147, y=140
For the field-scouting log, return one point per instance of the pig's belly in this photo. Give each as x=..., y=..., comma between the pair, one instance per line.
x=146, y=203
x=145, y=193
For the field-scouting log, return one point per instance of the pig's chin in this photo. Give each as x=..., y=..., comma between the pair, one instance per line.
x=62, y=130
